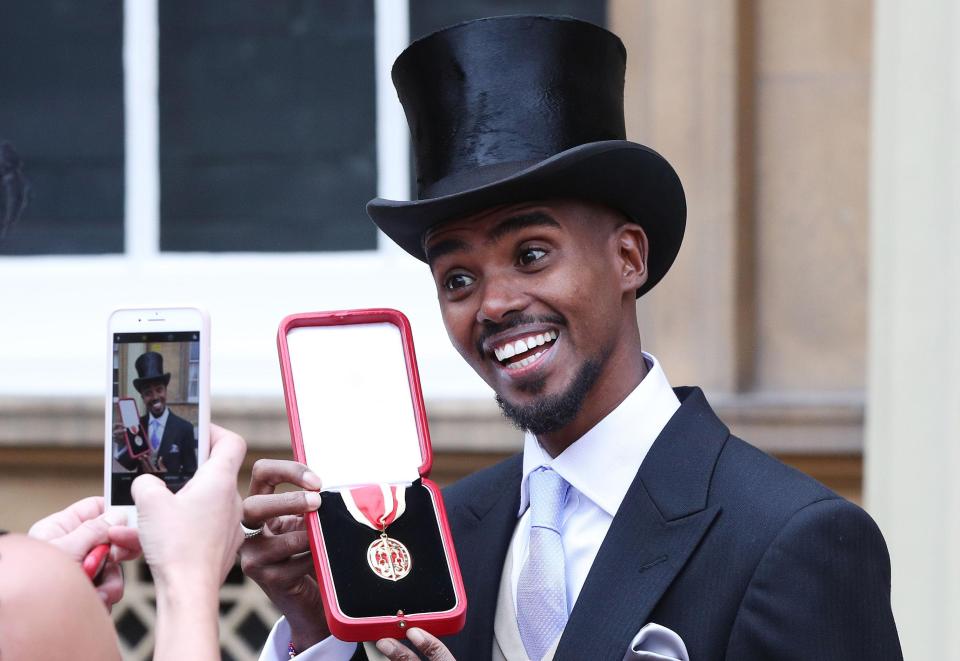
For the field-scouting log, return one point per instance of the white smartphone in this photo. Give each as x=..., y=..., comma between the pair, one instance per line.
x=157, y=411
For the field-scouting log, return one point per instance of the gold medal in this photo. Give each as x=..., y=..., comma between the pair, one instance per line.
x=388, y=558
x=377, y=506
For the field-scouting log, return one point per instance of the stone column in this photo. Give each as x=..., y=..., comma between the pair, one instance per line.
x=913, y=415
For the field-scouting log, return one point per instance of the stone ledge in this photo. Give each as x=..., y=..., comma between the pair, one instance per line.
x=795, y=423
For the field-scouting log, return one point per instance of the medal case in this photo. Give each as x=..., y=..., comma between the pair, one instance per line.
x=137, y=445
x=357, y=419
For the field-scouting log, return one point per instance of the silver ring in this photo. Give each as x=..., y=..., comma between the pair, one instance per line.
x=249, y=533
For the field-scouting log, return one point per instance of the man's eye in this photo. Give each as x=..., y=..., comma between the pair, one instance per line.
x=530, y=255
x=458, y=281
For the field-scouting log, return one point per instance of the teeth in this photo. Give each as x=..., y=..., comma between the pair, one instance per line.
x=526, y=361
x=511, y=349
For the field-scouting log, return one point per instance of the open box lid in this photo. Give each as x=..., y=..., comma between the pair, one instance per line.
x=353, y=397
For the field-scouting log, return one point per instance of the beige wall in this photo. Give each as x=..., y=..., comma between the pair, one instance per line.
x=763, y=108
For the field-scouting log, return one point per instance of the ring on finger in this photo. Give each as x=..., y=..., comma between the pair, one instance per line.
x=249, y=533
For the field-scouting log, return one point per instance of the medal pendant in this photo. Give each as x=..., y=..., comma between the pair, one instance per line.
x=388, y=558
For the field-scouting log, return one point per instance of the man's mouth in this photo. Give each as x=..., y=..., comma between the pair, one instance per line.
x=516, y=354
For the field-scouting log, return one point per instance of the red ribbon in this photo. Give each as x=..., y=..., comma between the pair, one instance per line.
x=369, y=500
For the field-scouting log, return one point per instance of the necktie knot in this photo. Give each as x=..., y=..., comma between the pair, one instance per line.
x=548, y=495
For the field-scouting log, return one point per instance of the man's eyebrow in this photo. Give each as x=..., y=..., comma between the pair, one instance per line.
x=518, y=222
x=445, y=247
x=501, y=229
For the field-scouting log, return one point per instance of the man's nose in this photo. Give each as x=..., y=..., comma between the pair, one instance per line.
x=502, y=296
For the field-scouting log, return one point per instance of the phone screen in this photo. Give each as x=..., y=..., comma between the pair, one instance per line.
x=156, y=394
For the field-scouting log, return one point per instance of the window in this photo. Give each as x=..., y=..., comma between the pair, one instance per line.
x=61, y=83
x=267, y=126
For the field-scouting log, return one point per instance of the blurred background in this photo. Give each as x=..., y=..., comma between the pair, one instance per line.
x=221, y=155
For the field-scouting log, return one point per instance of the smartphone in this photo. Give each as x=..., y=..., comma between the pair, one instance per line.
x=157, y=405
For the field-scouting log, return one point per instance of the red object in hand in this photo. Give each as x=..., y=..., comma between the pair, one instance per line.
x=95, y=561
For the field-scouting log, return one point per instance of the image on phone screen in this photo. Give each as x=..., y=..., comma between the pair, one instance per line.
x=156, y=406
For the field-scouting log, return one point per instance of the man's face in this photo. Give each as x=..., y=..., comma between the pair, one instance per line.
x=154, y=397
x=533, y=298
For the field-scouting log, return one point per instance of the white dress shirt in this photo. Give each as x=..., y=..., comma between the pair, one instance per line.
x=600, y=467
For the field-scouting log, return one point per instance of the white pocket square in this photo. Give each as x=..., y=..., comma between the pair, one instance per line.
x=656, y=643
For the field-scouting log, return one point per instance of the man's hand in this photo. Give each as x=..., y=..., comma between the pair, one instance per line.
x=429, y=646
x=83, y=525
x=119, y=434
x=279, y=558
x=193, y=535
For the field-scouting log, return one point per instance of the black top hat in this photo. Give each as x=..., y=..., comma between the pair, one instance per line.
x=150, y=368
x=521, y=108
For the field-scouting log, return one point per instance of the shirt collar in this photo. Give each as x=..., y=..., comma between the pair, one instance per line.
x=162, y=420
x=602, y=463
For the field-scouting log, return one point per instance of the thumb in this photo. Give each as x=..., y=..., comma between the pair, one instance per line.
x=148, y=489
x=79, y=541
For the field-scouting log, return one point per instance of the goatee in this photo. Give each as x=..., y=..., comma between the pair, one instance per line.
x=552, y=413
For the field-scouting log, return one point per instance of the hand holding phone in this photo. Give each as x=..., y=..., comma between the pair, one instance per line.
x=157, y=403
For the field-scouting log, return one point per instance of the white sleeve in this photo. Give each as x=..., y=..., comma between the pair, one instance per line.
x=328, y=649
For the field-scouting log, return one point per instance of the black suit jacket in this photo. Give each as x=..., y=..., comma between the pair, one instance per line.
x=178, y=446
x=742, y=556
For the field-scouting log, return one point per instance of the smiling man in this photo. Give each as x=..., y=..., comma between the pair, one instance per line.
x=172, y=439
x=633, y=525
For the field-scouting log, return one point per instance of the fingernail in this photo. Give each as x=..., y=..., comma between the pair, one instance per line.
x=313, y=500
x=416, y=637
x=311, y=480
x=386, y=646
x=102, y=595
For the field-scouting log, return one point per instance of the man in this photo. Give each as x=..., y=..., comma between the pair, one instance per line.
x=633, y=525
x=172, y=441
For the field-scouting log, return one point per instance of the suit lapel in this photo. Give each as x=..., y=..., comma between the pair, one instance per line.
x=660, y=522
x=482, y=528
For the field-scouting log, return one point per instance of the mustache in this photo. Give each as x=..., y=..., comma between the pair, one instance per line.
x=491, y=328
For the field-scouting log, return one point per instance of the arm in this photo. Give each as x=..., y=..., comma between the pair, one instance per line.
x=190, y=540
x=821, y=591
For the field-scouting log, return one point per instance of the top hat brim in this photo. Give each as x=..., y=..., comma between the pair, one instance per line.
x=624, y=175
x=138, y=383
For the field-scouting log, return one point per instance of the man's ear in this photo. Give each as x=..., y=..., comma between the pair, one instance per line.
x=632, y=252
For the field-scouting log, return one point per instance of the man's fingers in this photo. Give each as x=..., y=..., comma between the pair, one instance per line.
x=264, y=550
x=284, y=576
x=429, y=645
x=395, y=651
x=267, y=474
x=259, y=509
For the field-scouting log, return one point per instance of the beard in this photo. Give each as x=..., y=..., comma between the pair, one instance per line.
x=549, y=414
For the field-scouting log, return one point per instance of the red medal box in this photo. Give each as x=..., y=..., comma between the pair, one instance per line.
x=382, y=549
